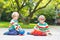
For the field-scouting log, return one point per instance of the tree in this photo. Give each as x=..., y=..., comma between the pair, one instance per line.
x=31, y=10
x=57, y=9
x=1, y=8
x=26, y=8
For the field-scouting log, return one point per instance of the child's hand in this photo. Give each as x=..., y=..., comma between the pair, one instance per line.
x=18, y=27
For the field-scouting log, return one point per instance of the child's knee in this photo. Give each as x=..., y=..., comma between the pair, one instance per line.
x=21, y=32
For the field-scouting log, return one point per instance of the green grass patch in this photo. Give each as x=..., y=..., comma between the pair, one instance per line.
x=6, y=24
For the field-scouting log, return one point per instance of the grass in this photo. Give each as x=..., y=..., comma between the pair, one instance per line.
x=6, y=24
x=31, y=25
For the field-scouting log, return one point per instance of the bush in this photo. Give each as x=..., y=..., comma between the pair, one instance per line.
x=5, y=16
x=48, y=13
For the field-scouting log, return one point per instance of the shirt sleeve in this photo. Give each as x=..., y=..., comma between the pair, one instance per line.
x=47, y=28
x=12, y=22
x=46, y=25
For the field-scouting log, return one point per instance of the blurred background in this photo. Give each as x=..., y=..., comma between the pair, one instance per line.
x=29, y=11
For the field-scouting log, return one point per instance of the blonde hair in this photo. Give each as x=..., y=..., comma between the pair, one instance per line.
x=41, y=16
x=15, y=14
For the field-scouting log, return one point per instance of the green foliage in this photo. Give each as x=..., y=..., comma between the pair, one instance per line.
x=11, y=6
x=49, y=14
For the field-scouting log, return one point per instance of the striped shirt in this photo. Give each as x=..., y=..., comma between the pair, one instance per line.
x=42, y=27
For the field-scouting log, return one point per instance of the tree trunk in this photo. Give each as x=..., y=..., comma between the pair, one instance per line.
x=26, y=20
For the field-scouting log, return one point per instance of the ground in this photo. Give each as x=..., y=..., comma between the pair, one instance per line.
x=54, y=30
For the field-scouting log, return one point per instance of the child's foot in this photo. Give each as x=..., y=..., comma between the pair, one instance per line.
x=28, y=33
x=49, y=34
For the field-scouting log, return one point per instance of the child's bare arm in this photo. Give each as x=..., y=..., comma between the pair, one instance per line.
x=9, y=25
x=36, y=28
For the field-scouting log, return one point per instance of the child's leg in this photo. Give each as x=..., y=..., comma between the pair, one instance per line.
x=36, y=32
x=6, y=33
x=44, y=34
x=31, y=33
x=13, y=32
x=21, y=32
